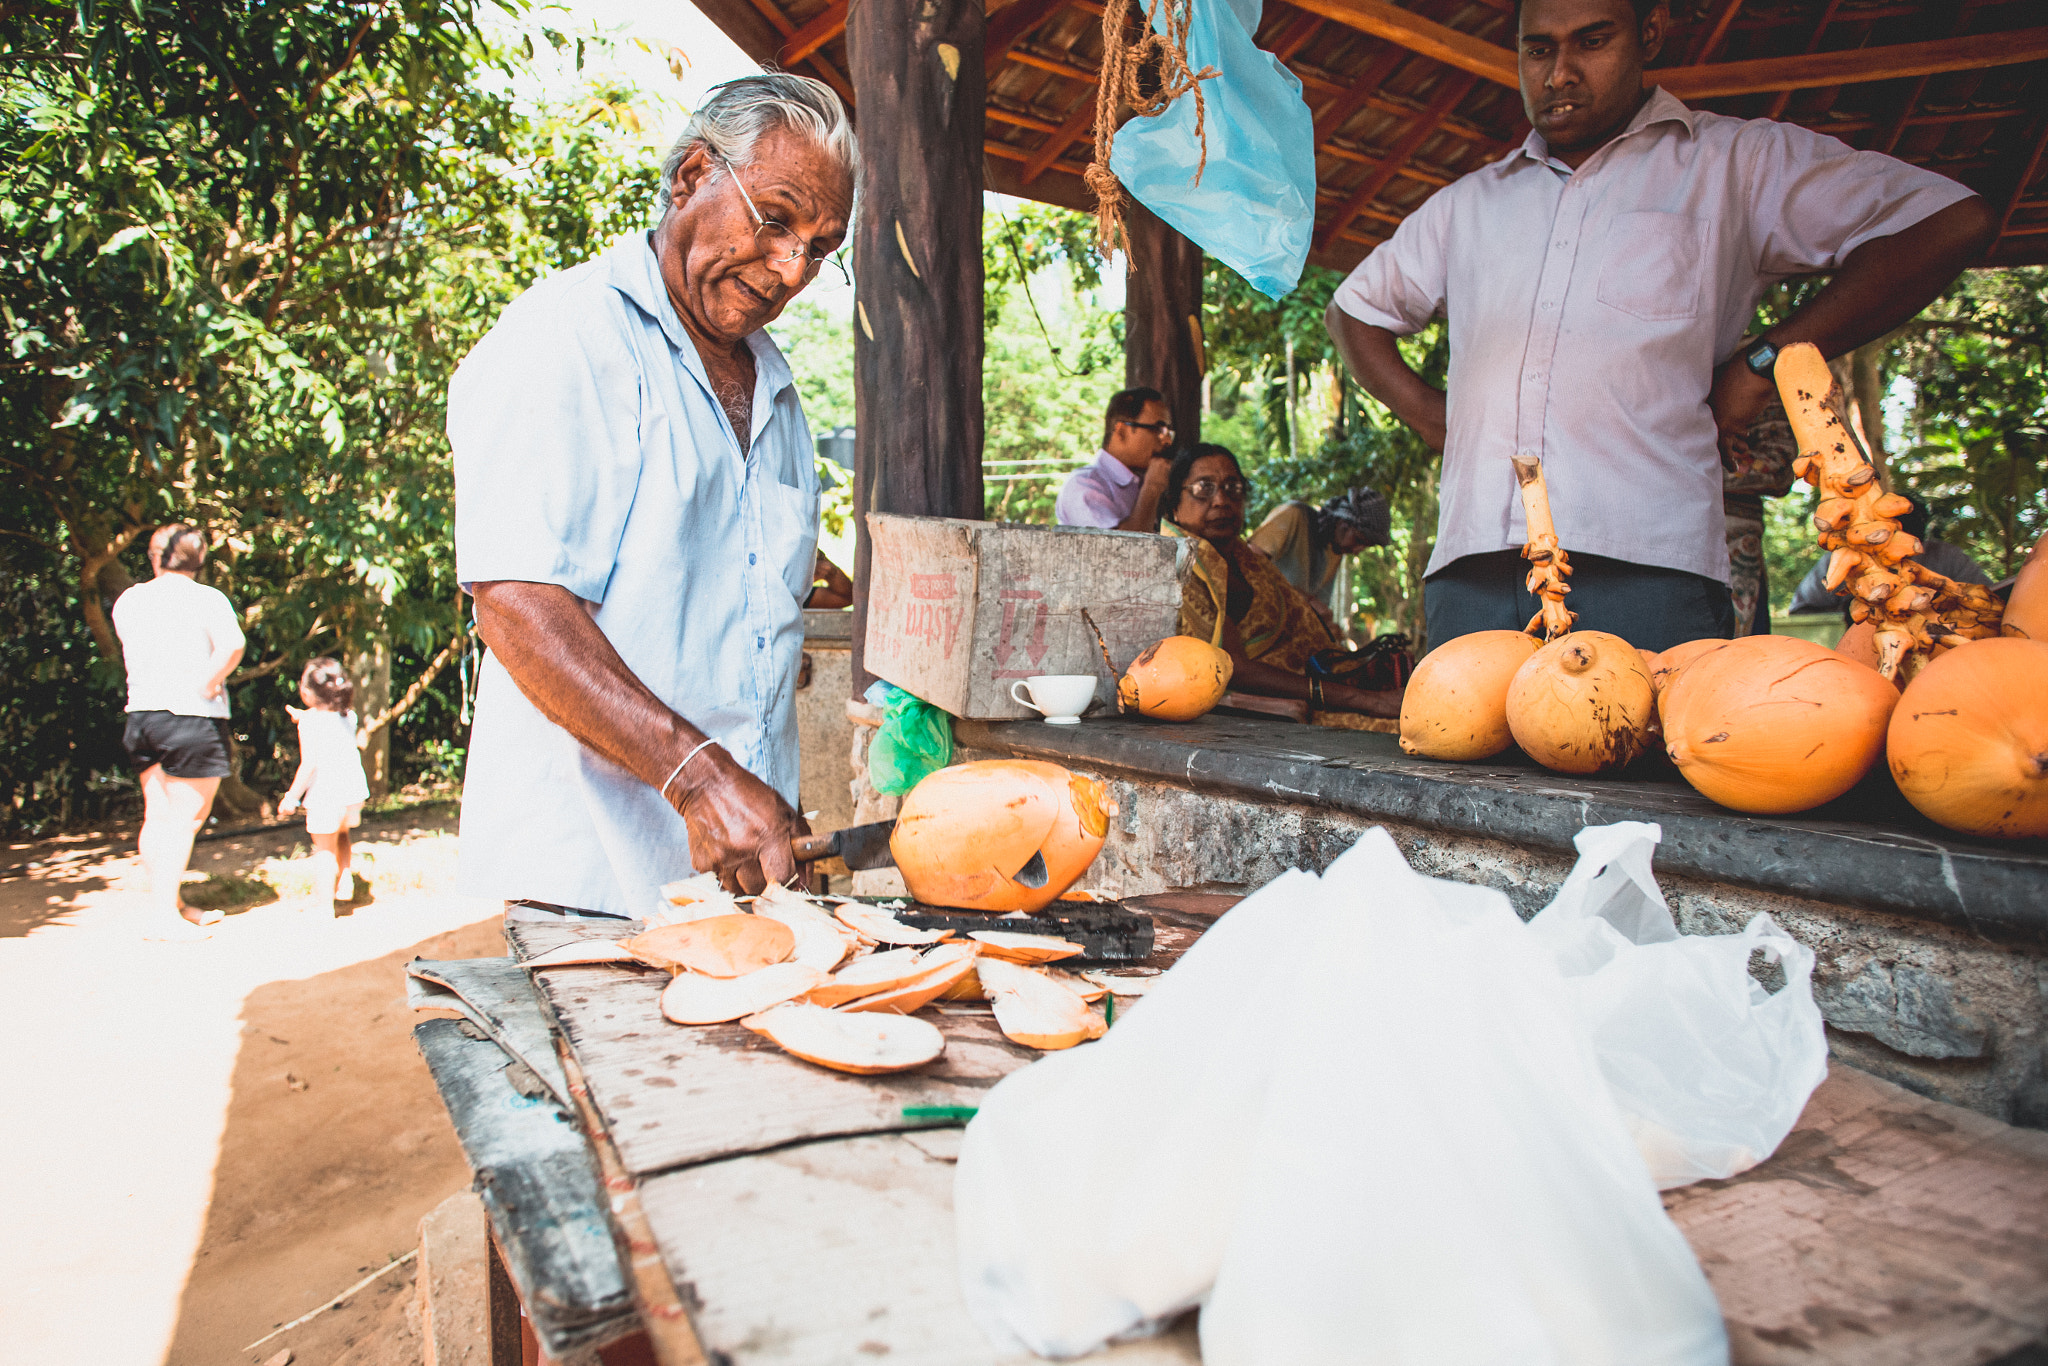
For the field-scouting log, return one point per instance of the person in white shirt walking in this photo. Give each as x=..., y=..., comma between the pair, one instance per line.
x=1597, y=282
x=330, y=782
x=1120, y=489
x=180, y=640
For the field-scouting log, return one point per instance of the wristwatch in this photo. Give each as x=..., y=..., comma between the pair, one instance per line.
x=1761, y=357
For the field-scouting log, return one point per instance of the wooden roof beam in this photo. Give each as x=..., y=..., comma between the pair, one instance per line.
x=1344, y=106
x=1820, y=29
x=1853, y=67
x=1495, y=63
x=1448, y=93
x=1439, y=42
x=1012, y=24
x=1710, y=41
x=828, y=25
x=2030, y=162
x=1078, y=124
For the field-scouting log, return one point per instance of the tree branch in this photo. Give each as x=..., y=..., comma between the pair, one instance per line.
x=412, y=694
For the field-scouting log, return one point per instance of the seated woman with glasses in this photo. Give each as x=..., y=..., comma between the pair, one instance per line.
x=1232, y=595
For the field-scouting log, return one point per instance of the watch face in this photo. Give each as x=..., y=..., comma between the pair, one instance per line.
x=1761, y=358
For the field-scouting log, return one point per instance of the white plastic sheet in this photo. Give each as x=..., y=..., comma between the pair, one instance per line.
x=1362, y=1121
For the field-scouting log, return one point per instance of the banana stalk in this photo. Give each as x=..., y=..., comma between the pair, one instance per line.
x=1914, y=609
x=1548, y=568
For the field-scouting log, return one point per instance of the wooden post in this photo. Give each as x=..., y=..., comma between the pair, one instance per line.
x=1163, y=318
x=917, y=345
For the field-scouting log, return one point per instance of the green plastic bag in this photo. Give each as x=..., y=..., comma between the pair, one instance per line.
x=915, y=740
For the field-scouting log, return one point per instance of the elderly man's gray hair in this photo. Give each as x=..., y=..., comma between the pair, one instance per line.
x=740, y=112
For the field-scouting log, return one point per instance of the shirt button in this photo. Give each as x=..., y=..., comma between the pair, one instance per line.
x=760, y=642
x=750, y=558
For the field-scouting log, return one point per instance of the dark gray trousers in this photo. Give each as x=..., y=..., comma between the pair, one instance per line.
x=1650, y=607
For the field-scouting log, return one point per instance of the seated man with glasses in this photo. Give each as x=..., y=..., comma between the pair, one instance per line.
x=1121, y=489
x=1234, y=597
x=637, y=518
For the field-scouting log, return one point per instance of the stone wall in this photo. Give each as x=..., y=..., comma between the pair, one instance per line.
x=1933, y=1009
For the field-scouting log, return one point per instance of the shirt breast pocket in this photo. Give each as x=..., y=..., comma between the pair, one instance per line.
x=1655, y=266
x=789, y=526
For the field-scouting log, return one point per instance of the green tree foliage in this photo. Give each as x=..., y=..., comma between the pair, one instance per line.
x=1360, y=444
x=242, y=248
x=1976, y=365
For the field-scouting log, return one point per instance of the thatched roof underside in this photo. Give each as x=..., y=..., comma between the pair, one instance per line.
x=1408, y=97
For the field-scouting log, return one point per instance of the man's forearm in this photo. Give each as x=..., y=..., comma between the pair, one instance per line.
x=1145, y=514
x=1887, y=280
x=567, y=668
x=1373, y=355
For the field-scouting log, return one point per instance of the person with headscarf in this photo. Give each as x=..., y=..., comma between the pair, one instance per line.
x=1308, y=544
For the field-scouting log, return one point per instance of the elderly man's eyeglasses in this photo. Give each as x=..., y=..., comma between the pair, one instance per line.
x=778, y=243
x=1165, y=429
x=1206, y=490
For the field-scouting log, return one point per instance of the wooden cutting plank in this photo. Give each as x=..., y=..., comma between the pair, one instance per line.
x=839, y=1252
x=1887, y=1230
x=673, y=1094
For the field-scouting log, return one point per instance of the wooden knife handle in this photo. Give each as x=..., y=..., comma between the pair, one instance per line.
x=809, y=848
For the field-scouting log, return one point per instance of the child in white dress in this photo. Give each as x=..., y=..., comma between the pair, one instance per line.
x=330, y=783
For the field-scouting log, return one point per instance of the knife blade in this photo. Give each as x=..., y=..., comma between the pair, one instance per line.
x=857, y=846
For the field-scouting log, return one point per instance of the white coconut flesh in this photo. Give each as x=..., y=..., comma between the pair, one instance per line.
x=694, y=999
x=1034, y=1010
x=865, y=1044
x=941, y=970
x=866, y=976
x=1024, y=948
x=821, y=940
x=884, y=928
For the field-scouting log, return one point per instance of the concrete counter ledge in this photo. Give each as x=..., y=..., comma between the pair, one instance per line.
x=1891, y=860
x=1931, y=949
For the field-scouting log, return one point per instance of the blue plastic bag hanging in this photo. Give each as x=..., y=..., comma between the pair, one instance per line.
x=1254, y=206
x=914, y=741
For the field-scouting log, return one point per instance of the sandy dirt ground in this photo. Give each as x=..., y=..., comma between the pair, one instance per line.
x=203, y=1141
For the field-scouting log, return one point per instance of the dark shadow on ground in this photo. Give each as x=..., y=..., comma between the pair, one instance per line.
x=334, y=1147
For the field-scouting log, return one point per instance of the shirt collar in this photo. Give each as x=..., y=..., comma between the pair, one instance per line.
x=635, y=271
x=1116, y=471
x=1661, y=107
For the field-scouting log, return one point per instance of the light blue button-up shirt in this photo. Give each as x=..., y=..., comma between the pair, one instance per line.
x=590, y=452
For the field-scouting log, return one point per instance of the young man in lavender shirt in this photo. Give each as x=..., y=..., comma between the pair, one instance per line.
x=1597, y=282
x=1120, y=489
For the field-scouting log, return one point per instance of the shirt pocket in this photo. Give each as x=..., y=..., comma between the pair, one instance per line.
x=789, y=534
x=1655, y=266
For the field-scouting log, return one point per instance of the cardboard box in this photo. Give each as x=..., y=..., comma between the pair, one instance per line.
x=959, y=610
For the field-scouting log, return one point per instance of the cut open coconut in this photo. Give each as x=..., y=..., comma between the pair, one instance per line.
x=866, y=976
x=1024, y=948
x=863, y=1044
x=941, y=970
x=719, y=946
x=1034, y=1010
x=578, y=952
x=694, y=999
x=871, y=923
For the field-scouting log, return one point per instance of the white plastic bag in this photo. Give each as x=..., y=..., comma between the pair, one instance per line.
x=1360, y=1124
x=1709, y=1069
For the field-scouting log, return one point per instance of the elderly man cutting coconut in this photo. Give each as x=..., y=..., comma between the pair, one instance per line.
x=636, y=517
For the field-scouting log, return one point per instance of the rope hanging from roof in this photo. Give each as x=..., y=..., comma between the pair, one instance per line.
x=1148, y=74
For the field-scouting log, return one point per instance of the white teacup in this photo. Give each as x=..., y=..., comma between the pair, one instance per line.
x=1060, y=698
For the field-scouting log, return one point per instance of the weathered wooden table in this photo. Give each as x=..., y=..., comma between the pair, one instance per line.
x=802, y=1218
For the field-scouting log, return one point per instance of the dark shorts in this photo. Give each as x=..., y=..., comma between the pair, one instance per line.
x=187, y=746
x=1650, y=607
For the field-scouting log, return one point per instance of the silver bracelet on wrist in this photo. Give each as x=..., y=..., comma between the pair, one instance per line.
x=675, y=772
